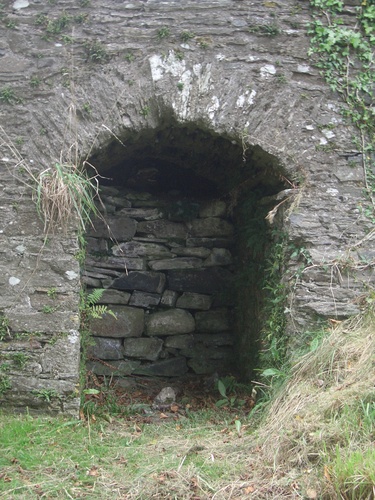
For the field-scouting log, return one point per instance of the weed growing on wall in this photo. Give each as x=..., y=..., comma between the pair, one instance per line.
x=347, y=62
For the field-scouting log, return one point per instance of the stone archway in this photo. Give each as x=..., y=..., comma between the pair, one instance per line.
x=170, y=254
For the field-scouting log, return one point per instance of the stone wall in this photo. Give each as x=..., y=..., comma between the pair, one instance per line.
x=166, y=267
x=81, y=82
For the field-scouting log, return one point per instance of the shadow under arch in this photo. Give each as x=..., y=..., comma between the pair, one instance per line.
x=164, y=179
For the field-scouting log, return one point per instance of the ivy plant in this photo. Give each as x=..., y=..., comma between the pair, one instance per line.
x=347, y=62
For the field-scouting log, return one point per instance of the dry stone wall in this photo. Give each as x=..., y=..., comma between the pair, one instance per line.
x=79, y=79
x=167, y=270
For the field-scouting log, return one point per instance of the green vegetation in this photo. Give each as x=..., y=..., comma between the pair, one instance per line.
x=265, y=29
x=96, y=51
x=180, y=86
x=47, y=309
x=346, y=60
x=145, y=111
x=5, y=383
x=65, y=193
x=163, y=32
x=186, y=36
x=46, y=394
x=51, y=292
x=4, y=327
x=8, y=96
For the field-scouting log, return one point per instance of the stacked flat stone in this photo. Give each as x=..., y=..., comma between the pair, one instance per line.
x=166, y=267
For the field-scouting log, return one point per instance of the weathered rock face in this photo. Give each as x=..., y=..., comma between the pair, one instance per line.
x=190, y=98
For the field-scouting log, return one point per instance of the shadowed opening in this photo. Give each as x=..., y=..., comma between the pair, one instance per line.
x=182, y=261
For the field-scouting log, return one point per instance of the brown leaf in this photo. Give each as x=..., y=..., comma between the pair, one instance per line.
x=312, y=494
x=174, y=408
x=249, y=489
x=93, y=471
x=327, y=474
x=163, y=415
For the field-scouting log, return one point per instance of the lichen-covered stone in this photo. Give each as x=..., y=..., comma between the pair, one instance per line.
x=105, y=348
x=200, y=252
x=144, y=299
x=219, y=257
x=162, y=229
x=114, y=297
x=176, y=263
x=141, y=249
x=169, y=298
x=213, y=321
x=114, y=368
x=143, y=348
x=190, y=300
x=128, y=322
x=172, y=322
x=173, y=367
x=205, y=280
x=120, y=228
x=213, y=208
x=145, y=281
x=210, y=227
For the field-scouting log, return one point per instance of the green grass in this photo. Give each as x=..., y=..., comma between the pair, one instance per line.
x=59, y=458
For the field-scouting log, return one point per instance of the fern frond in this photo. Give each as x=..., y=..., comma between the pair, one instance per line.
x=94, y=297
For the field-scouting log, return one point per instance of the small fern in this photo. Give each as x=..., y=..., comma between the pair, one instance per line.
x=91, y=307
x=94, y=297
x=98, y=311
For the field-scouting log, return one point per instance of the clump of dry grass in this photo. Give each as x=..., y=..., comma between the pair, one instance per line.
x=64, y=193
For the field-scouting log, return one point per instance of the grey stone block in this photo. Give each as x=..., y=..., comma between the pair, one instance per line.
x=105, y=348
x=144, y=299
x=210, y=227
x=206, y=280
x=213, y=321
x=171, y=322
x=219, y=257
x=172, y=367
x=113, y=367
x=163, y=229
x=213, y=208
x=189, y=300
x=169, y=298
x=129, y=322
x=143, y=348
x=118, y=227
x=176, y=263
x=145, y=281
x=141, y=249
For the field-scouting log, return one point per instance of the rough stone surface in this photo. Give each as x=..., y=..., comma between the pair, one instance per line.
x=173, y=367
x=194, y=301
x=105, y=348
x=177, y=263
x=213, y=321
x=113, y=368
x=128, y=322
x=159, y=229
x=205, y=281
x=144, y=348
x=120, y=228
x=210, y=228
x=173, y=322
x=143, y=280
x=144, y=299
x=214, y=208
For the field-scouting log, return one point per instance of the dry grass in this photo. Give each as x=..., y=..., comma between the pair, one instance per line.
x=310, y=417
